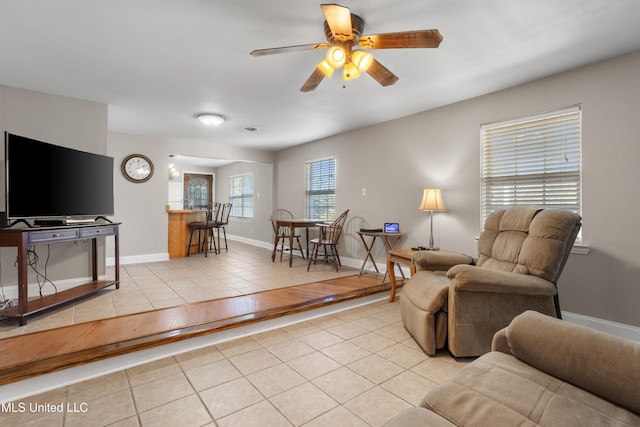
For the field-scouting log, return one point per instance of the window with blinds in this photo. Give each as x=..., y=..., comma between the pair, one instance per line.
x=320, y=191
x=533, y=161
x=241, y=195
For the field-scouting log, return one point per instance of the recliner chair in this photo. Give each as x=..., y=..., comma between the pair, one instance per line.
x=521, y=253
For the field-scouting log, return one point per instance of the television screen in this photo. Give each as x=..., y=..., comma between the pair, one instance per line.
x=49, y=181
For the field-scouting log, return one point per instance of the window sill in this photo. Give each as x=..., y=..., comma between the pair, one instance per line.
x=237, y=219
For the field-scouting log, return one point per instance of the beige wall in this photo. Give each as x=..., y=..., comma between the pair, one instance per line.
x=394, y=161
x=141, y=207
x=59, y=120
x=62, y=121
x=258, y=228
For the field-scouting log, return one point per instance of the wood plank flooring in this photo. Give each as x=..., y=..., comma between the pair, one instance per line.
x=50, y=350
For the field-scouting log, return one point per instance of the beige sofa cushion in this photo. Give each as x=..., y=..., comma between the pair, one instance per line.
x=499, y=390
x=417, y=417
x=604, y=364
x=430, y=298
x=528, y=240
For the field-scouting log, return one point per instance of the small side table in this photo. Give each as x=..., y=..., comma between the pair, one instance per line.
x=398, y=256
x=390, y=241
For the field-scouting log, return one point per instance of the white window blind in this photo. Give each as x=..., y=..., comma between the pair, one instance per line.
x=533, y=161
x=320, y=191
x=241, y=195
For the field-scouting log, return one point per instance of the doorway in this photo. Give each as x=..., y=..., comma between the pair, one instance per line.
x=198, y=190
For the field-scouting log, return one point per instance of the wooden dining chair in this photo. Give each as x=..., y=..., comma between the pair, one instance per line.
x=281, y=234
x=328, y=239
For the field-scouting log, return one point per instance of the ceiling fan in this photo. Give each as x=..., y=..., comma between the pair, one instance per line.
x=343, y=31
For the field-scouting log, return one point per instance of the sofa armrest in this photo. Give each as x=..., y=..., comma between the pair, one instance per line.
x=478, y=279
x=603, y=364
x=438, y=260
x=500, y=342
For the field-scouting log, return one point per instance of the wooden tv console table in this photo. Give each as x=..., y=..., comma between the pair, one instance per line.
x=22, y=238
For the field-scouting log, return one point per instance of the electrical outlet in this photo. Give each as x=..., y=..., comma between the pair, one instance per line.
x=364, y=191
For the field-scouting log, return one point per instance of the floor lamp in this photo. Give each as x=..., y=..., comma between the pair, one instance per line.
x=432, y=201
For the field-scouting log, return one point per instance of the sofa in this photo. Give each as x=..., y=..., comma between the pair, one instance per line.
x=542, y=371
x=521, y=254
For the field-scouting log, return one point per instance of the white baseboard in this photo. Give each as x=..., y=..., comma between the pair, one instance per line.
x=618, y=329
x=621, y=330
x=139, y=259
x=252, y=242
x=11, y=291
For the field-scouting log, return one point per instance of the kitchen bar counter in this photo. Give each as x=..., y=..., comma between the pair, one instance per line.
x=178, y=237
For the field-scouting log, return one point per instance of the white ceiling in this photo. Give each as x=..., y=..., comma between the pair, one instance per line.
x=158, y=62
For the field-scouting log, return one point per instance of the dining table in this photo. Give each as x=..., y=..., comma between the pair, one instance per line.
x=292, y=224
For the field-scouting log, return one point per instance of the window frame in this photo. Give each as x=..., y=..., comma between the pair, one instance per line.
x=239, y=202
x=546, y=164
x=326, y=188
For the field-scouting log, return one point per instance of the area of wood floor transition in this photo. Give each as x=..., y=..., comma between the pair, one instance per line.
x=28, y=355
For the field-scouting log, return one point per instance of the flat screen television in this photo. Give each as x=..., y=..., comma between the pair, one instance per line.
x=47, y=181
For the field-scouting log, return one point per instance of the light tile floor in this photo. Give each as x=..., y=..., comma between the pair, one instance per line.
x=242, y=270
x=354, y=368
x=358, y=367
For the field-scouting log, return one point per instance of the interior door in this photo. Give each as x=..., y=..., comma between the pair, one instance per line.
x=198, y=190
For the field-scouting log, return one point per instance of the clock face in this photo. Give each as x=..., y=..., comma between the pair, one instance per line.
x=137, y=168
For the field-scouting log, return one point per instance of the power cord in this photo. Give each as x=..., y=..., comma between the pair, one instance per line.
x=41, y=278
x=7, y=303
x=32, y=261
x=4, y=302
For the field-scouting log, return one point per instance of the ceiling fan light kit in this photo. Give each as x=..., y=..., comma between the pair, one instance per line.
x=362, y=60
x=336, y=56
x=326, y=68
x=343, y=31
x=350, y=71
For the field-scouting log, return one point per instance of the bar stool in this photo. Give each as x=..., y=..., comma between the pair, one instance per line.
x=205, y=228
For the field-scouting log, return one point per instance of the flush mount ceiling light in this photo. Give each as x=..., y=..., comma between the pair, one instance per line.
x=211, y=119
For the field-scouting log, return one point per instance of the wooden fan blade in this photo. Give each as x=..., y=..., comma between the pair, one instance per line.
x=339, y=20
x=313, y=81
x=407, y=39
x=287, y=49
x=381, y=74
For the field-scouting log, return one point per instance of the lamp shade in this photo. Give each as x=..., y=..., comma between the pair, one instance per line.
x=350, y=71
x=326, y=68
x=362, y=59
x=432, y=200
